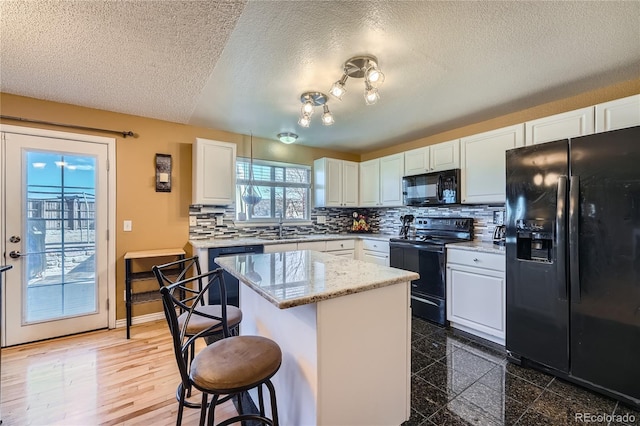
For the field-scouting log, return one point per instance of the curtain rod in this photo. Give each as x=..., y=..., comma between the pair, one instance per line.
x=71, y=126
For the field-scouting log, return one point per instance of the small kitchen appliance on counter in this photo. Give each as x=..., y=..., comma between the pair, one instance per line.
x=425, y=253
x=499, y=235
x=407, y=220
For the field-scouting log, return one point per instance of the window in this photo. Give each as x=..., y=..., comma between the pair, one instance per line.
x=284, y=188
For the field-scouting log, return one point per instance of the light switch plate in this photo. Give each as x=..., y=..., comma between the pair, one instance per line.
x=193, y=221
x=127, y=226
x=322, y=220
x=219, y=220
x=498, y=217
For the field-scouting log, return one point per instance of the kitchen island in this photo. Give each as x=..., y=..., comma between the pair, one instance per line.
x=344, y=327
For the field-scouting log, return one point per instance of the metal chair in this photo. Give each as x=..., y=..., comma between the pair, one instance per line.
x=208, y=317
x=172, y=272
x=224, y=369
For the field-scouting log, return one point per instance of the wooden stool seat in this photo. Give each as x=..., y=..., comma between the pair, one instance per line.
x=235, y=363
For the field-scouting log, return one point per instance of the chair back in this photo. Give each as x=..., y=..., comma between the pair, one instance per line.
x=181, y=299
x=172, y=272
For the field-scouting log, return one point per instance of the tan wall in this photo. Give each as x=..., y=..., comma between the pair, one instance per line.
x=160, y=220
x=605, y=94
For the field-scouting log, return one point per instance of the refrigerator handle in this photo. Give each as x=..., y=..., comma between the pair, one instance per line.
x=561, y=238
x=574, y=232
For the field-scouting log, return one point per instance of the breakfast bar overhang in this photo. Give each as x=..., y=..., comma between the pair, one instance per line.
x=344, y=327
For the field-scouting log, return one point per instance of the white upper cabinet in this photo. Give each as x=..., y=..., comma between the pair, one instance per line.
x=335, y=183
x=350, y=179
x=416, y=161
x=560, y=126
x=483, y=164
x=214, y=172
x=391, y=171
x=445, y=156
x=433, y=158
x=618, y=114
x=381, y=181
x=370, y=183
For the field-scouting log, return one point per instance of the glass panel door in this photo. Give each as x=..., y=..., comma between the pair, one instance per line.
x=56, y=239
x=60, y=236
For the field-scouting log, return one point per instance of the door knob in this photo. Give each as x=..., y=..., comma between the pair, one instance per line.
x=14, y=254
x=14, y=239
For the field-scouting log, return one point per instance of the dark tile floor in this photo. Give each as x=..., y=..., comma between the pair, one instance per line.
x=455, y=380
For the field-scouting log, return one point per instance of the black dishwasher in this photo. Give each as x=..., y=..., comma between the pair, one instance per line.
x=231, y=282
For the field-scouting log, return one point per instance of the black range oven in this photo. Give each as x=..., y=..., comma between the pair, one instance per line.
x=426, y=255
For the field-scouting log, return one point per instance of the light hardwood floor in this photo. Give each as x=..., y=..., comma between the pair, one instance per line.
x=97, y=378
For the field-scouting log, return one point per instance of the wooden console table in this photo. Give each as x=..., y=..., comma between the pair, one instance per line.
x=130, y=276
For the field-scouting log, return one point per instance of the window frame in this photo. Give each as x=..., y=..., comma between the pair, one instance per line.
x=273, y=165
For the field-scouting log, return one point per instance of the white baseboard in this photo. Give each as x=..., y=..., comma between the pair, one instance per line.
x=140, y=319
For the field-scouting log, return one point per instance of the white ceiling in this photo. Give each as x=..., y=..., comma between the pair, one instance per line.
x=241, y=67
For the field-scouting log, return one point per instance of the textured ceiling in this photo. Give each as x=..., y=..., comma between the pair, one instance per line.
x=242, y=67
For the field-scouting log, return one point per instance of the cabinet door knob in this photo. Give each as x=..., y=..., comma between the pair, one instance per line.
x=475, y=259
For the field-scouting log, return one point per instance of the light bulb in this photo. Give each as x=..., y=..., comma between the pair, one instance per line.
x=375, y=76
x=338, y=90
x=307, y=108
x=327, y=117
x=371, y=94
x=305, y=120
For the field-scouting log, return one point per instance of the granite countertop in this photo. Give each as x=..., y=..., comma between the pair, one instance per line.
x=295, y=278
x=481, y=246
x=235, y=242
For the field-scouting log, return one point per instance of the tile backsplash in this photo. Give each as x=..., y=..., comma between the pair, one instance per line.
x=338, y=220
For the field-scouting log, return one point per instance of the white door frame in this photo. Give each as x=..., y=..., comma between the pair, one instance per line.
x=111, y=201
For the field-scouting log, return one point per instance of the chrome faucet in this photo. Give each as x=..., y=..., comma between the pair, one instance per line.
x=280, y=225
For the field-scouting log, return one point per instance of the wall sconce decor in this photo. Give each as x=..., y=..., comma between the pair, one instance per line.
x=163, y=173
x=360, y=67
x=310, y=100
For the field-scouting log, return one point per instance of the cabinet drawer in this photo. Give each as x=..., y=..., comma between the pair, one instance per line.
x=375, y=257
x=375, y=245
x=312, y=245
x=343, y=253
x=476, y=259
x=341, y=245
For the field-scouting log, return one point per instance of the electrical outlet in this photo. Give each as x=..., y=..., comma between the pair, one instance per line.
x=128, y=225
x=322, y=220
x=193, y=221
x=498, y=217
x=219, y=220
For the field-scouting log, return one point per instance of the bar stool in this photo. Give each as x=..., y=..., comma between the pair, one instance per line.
x=209, y=318
x=225, y=368
x=170, y=273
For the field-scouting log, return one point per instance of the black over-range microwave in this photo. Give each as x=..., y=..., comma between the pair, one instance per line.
x=432, y=189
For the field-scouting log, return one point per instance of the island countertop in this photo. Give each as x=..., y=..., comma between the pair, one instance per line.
x=294, y=278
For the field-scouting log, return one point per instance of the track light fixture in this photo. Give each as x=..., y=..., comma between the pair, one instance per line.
x=310, y=100
x=360, y=67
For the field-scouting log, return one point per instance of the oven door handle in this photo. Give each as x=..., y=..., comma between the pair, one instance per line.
x=422, y=247
x=420, y=299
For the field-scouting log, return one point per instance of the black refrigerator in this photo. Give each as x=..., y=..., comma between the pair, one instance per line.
x=573, y=260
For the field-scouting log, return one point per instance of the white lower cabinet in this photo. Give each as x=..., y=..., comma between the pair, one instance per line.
x=275, y=248
x=345, y=248
x=476, y=293
x=375, y=251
